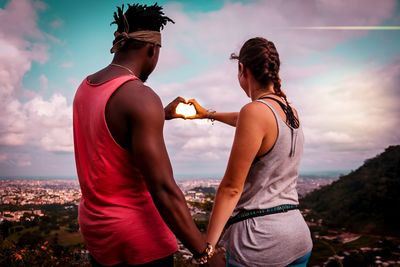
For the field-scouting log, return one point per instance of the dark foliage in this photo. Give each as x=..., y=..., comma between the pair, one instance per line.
x=367, y=200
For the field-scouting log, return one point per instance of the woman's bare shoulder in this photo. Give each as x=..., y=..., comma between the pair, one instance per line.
x=257, y=113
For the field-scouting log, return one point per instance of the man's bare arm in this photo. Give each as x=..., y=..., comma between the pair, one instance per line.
x=150, y=155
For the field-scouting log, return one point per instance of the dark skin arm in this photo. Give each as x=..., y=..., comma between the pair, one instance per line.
x=146, y=121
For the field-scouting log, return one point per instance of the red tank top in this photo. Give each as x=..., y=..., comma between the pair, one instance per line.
x=118, y=219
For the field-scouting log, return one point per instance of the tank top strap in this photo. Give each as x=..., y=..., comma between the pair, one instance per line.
x=114, y=82
x=107, y=88
x=117, y=82
x=279, y=121
x=277, y=118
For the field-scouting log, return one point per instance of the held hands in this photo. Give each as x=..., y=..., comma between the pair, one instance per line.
x=185, y=109
x=218, y=259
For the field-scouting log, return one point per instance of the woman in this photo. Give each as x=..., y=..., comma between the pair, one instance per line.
x=259, y=185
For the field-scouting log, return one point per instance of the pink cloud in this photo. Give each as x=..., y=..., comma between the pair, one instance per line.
x=39, y=122
x=218, y=33
x=57, y=23
x=353, y=118
x=336, y=116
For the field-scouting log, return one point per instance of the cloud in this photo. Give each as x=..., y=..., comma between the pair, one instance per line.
x=353, y=118
x=16, y=159
x=43, y=123
x=13, y=27
x=217, y=33
x=12, y=122
x=194, y=63
x=43, y=82
x=3, y=157
x=67, y=64
x=199, y=146
x=336, y=115
x=55, y=117
x=198, y=141
x=346, y=121
x=57, y=23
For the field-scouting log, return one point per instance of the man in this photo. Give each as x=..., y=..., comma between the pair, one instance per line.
x=131, y=207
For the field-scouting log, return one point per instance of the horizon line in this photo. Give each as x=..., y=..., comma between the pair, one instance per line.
x=330, y=173
x=351, y=28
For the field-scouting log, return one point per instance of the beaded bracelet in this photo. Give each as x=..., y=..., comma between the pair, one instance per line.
x=210, y=112
x=204, y=256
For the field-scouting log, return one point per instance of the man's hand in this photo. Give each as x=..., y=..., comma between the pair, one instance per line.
x=170, y=109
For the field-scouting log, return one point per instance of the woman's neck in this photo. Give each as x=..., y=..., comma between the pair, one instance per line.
x=257, y=94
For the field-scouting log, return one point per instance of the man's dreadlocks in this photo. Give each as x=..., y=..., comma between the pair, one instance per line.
x=141, y=17
x=136, y=18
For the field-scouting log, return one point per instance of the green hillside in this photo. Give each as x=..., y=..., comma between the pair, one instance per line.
x=367, y=200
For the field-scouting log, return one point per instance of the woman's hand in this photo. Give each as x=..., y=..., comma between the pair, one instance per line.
x=201, y=112
x=170, y=109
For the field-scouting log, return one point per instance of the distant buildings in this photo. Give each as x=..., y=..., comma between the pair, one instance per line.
x=15, y=216
x=23, y=192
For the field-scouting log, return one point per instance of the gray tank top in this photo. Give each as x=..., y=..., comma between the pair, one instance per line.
x=277, y=239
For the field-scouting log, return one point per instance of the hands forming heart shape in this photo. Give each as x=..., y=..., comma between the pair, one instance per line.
x=187, y=110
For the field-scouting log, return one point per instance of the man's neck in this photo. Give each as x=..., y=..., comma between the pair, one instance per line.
x=129, y=61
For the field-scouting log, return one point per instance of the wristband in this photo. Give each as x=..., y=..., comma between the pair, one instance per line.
x=210, y=112
x=204, y=256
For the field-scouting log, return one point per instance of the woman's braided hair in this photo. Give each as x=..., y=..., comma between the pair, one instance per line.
x=262, y=59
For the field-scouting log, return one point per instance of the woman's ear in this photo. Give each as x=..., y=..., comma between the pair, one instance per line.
x=242, y=70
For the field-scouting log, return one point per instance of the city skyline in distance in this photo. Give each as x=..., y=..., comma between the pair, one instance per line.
x=184, y=177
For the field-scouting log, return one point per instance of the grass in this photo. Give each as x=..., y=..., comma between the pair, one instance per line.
x=363, y=241
x=65, y=238
x=14, y=236
x=320, y=253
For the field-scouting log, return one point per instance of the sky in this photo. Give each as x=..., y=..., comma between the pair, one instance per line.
x=343, y=81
